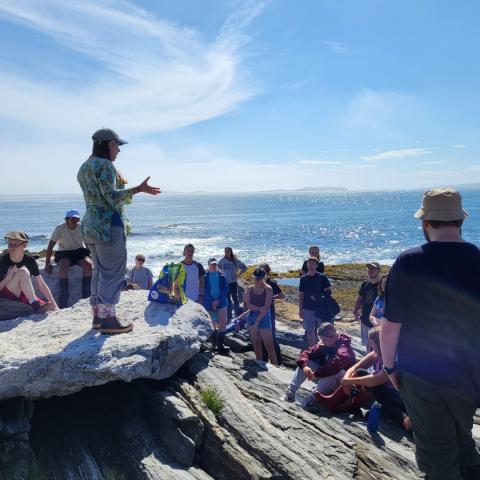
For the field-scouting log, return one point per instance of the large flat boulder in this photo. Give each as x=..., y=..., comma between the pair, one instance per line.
x=59, y=354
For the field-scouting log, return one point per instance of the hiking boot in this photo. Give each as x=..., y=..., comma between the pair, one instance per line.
x=113, y=325
x=223, y=350
x=289, y=396
x=96, y=322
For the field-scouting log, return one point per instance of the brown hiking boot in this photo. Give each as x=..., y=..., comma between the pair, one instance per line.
x=96, y=323
x=113, y=325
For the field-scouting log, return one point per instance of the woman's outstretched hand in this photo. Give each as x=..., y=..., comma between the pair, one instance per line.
x=146, y=188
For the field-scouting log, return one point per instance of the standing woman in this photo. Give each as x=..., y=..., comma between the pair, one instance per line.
x=105, y=228
x=231, y=266
x=258, y=300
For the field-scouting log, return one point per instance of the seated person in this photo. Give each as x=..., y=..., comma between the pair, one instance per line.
x=139, y=274
x=324, y=363
x=376, y=383
x=215, y=302
x=71, y=251
x=16, y=270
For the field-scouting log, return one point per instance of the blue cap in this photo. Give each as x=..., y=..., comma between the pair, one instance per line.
x=72, y=214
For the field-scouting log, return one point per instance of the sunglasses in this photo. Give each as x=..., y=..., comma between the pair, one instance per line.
x=15, y=245
x=140, y=259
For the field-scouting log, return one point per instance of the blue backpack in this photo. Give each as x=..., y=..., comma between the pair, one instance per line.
x=169, y=288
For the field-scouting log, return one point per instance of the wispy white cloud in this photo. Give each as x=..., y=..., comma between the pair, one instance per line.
x=151, y=75
x=318, y=162
x=337, y=47
x=403, y=153
x=459, y=145
x=433, y=162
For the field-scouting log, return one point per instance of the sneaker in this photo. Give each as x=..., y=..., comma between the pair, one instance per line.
x=289, y=396
x=309, y=401
x=113, y=325
x=41, y=307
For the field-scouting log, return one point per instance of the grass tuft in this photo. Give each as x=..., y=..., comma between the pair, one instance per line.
x=213, y=399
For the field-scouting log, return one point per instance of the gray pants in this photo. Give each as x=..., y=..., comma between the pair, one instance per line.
x=325, y=385
x=10, y=309
x=442, y=420
x=109, y=267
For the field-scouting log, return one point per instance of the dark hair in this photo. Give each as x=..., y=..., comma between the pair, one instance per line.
x=440, y=224
x=231, y=251
x=266, y=267
x=381, y=291
x=188, y=245
x=101, y=150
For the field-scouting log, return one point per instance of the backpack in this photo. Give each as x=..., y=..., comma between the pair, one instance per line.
x=169, y=288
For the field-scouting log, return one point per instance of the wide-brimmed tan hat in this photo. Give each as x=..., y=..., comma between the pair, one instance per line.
x=441, y=204
x=17, y=235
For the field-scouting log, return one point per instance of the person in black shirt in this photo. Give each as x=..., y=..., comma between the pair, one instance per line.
x=313, y=251
x=431, y=327
x=277, y=295
x=367, y=293
x=16, y=270
x=313, y=286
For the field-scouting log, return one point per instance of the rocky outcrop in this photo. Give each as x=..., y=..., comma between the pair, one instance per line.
x=163, y=429
x=60, y=354
x=75, y=274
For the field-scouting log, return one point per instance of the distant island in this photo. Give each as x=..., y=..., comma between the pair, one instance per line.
x=310, y=189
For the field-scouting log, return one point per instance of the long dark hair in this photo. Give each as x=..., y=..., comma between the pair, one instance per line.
x=381, y=291
x=101, y=150
x=232, y=258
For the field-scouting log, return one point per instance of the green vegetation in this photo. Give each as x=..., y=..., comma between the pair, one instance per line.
x=36, y=473
x=213, y=400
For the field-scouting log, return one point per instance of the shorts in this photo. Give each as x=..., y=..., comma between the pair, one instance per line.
x=208, y=305
x=265, y=322
x=6, y=293
x=310, y=321
x=73, y=255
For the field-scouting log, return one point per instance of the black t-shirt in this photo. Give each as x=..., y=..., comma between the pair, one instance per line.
x=434, y=292
x=276, y=290
x=27, y=261
x=369, y=292
x=320, y=267
x=313, y=286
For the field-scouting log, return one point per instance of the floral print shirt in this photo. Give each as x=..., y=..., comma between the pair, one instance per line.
x=104, y=194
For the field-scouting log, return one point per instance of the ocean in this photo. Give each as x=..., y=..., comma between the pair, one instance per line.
x=272, y=227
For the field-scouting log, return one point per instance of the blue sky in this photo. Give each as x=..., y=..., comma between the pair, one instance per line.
x=226, y=95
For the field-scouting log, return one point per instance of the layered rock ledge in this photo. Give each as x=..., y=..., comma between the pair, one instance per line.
x=59, y=354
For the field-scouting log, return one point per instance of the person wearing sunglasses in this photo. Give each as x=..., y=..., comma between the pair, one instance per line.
x=16, y=272
x=139, y=274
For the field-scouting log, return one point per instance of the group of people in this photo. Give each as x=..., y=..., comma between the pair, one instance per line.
x=421, y=324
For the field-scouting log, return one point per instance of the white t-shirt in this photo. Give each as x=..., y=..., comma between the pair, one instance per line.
x=193, y=273
x=67, y=239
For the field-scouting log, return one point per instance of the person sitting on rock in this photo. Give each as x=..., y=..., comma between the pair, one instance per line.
x=139, y=274
x=215, y=302
x=71, y=251
x=16, y=270
x=325, y=363
x=377, y=383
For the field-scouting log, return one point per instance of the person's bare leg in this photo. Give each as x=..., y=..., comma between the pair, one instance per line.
x=21, y=282
x=266, y=336
x=256, y=342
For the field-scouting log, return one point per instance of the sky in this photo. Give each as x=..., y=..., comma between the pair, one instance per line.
x=230, y=95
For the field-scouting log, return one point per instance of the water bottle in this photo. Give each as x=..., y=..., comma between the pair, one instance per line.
x=374, y=417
